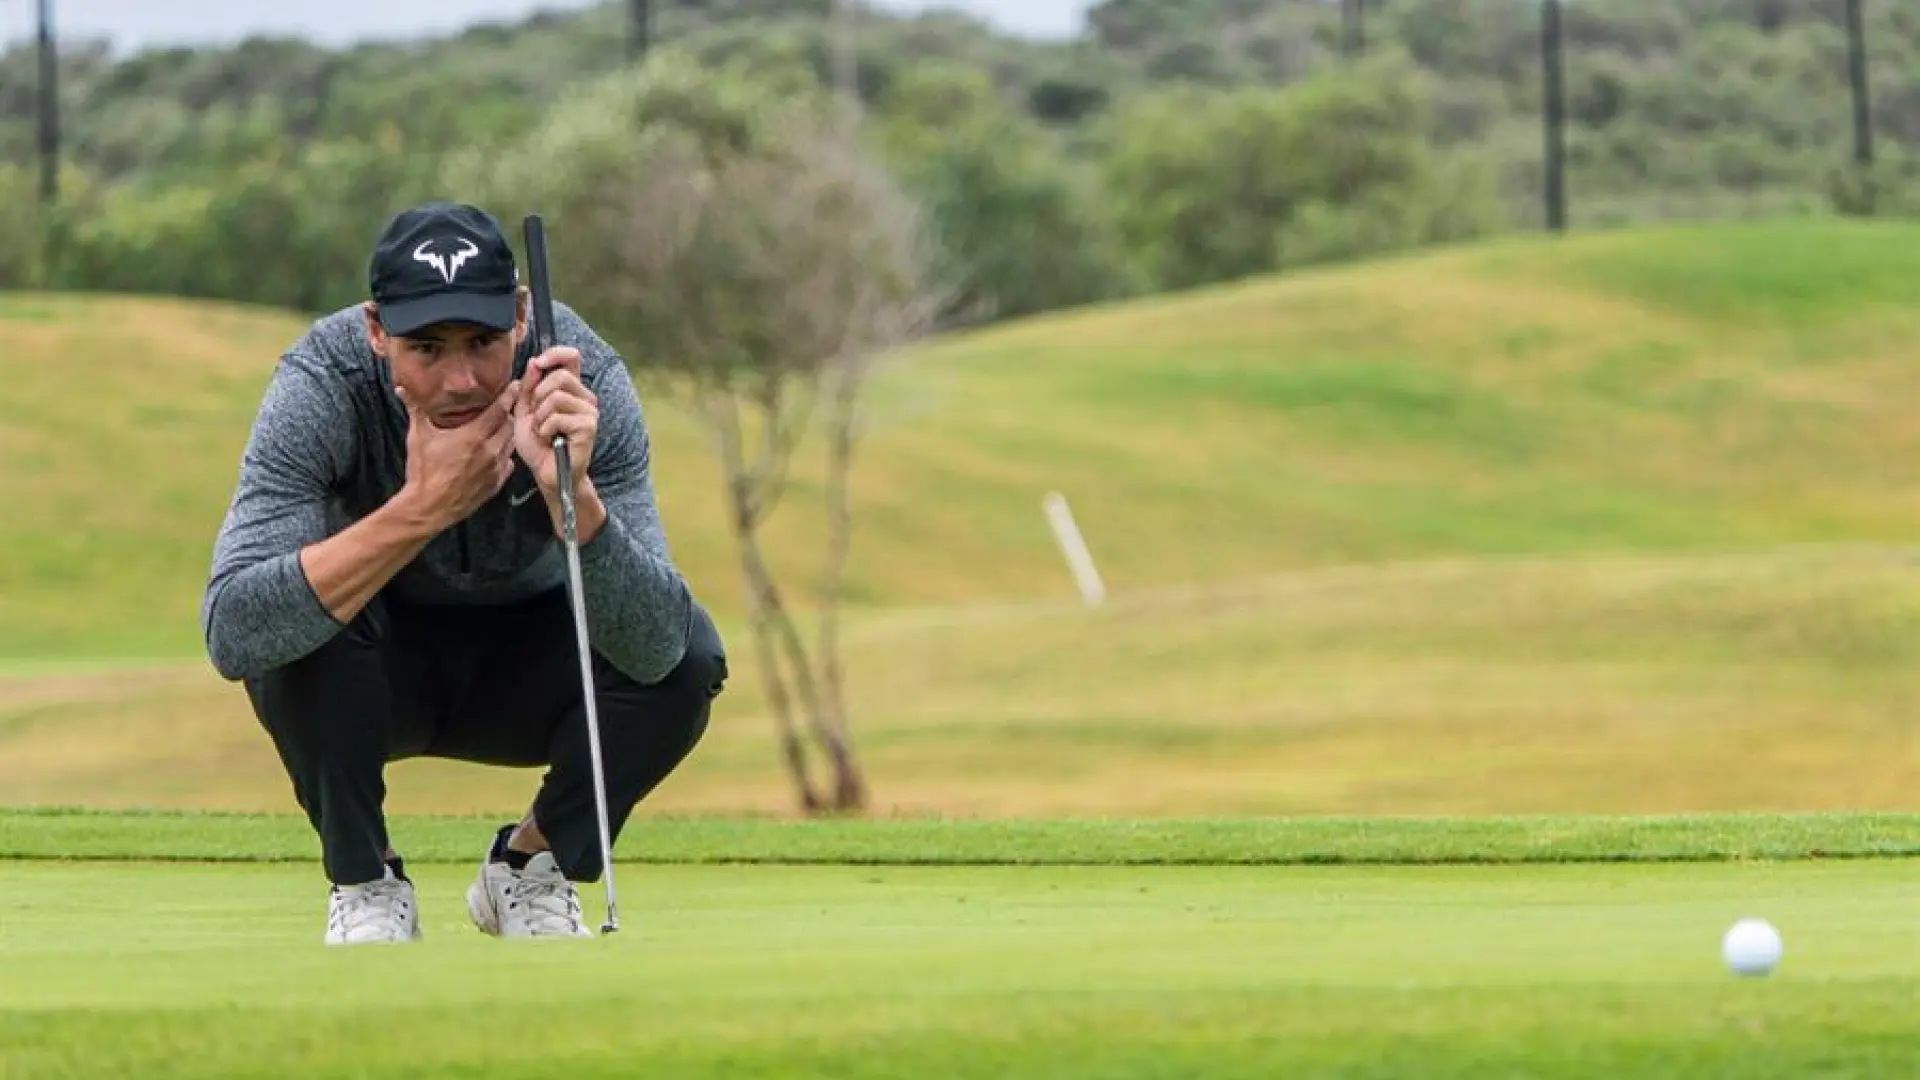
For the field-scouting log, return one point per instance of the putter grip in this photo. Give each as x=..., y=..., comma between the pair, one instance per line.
x=543, y=330
x=543, y=327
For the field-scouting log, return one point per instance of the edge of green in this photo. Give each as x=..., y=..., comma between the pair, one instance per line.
x=72, y=834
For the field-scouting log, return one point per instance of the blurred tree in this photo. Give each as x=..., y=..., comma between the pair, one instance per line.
x=1675, y=104
x=721, y=231
x=282, y=225
x=1219, y=185
x=1021, y=230
x=21, y=218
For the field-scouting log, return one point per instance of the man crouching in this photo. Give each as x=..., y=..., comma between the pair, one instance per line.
x=389, y=581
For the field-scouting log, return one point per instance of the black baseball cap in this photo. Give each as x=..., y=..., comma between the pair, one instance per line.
x=444, y=262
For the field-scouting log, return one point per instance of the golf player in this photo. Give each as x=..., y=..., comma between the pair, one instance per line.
x=390, y=581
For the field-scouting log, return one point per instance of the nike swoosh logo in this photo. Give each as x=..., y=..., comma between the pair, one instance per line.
x=521, y=499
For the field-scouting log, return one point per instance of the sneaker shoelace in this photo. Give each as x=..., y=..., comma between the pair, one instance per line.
x=379, y=901
x=551, y=903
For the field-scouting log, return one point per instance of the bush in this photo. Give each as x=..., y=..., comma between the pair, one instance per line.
x=291, y=232
x=1021, y=229
x=1215, y=186
x=1890, y=188
x=21, y=227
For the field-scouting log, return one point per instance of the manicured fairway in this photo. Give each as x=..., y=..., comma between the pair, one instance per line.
x=1523, y=969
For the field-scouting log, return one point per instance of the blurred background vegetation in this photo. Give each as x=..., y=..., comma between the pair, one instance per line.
x=1179, y=142
x=1615, y=522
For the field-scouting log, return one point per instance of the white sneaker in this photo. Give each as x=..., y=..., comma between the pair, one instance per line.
x=378, y=912
x=538, y=902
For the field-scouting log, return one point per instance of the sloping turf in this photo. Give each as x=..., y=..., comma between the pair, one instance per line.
x=1684, y=390
x=1617, y=525
x=1621, y=524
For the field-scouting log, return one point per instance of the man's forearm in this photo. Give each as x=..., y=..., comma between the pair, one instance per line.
x=348, y=569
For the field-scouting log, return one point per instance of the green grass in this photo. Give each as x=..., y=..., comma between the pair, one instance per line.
x=90, y=835
x=1620, y=523
x=1490, y=629
x=1758, y=271
x=1631, y=685
x=1603, y=972
x=1697, y=389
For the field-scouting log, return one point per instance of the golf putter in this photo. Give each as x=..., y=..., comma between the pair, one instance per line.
x=543, y=339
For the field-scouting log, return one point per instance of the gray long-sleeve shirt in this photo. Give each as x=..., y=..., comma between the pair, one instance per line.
x=328, y=447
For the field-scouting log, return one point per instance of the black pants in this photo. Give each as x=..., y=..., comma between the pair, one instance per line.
x=491, y=685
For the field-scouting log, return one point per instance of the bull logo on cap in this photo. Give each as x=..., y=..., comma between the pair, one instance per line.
x=449, y=268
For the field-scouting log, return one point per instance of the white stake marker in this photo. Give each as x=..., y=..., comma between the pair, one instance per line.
x=1074, y=546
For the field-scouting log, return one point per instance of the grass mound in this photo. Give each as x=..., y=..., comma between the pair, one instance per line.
x=1620, y=524
x=1697, y=389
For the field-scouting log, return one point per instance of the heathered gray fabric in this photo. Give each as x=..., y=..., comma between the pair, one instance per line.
x=329, y=446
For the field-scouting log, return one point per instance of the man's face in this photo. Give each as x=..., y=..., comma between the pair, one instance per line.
x=452, y=371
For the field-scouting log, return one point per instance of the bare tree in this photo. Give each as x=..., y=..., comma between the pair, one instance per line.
x=751, y=254
x=881, y=311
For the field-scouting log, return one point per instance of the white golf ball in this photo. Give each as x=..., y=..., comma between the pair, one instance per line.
x=1752, y=947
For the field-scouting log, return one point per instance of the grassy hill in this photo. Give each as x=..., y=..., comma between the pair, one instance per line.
x=1618, y=523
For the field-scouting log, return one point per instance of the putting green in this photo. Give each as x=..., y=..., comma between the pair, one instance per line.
x=1571, y=971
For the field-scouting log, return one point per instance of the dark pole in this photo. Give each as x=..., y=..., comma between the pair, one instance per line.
x=1355, y=25
x=49, y=108
x=1862, y=97
x=846, y=63
x=1553, y=59
x=640, y=32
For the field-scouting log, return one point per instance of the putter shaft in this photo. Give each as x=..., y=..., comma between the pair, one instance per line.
x=564, y=464
x=544, y=339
